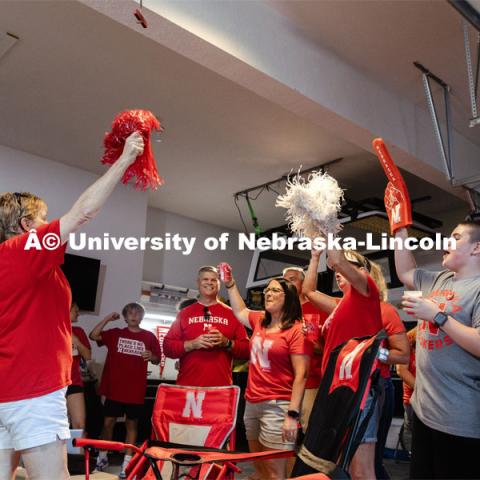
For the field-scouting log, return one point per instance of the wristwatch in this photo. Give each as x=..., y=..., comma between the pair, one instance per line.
x=228, y=344
x=383, y=354
x=440, y=318
x=293, y=414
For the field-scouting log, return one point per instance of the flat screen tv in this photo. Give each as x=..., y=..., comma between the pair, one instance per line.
x=82, y=273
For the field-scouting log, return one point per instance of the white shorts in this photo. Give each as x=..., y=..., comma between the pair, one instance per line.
x=33, y=422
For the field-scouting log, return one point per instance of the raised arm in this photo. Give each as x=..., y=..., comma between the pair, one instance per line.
x=405, y=264
x=357, y=278
x=96, y=333
x=91, y=200
x=320, y=300
x=236, y=301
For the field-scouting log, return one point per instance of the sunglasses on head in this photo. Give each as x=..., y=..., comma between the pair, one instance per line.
x=206, y=313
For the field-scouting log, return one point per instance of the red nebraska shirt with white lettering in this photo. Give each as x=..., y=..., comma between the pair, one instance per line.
x=314, y=319
x=205, y=367
x=76, y=376
x=35, y=327
x=356, y=315
x=124, y=377
x=270, y=373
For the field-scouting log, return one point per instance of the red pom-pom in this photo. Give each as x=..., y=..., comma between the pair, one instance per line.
x=144, y=168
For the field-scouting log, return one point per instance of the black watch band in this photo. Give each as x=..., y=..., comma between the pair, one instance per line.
x=229, y=344
x=293, y=414
x=440, y=319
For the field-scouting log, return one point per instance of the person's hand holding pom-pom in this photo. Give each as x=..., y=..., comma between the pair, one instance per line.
x=144, y=168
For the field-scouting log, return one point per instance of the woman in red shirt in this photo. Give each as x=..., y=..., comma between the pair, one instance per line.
x=81, y=349
x=35, y=329
x=277, y=373
x=358, y=313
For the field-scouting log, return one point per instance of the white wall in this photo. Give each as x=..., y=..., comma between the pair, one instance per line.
x=180, y=270
x=123, y=215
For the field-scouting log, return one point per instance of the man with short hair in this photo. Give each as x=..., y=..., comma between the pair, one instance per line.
x=313, y=319
x=206, y=336
x=446, y=399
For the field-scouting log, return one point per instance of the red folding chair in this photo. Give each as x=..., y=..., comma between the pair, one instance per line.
x=183, y=417
x=197, y=416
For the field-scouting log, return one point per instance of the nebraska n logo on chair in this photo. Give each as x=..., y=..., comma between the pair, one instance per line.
x=193, y=404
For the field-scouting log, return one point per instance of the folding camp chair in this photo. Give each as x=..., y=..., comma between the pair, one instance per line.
x=197, y=416
x=183, y=417
x=181, y=456
x=334, y=431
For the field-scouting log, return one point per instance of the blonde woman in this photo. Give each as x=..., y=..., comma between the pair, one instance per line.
x=362, y=311
x=35, y=328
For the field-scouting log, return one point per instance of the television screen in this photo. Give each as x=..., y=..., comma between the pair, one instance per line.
x=82, y=274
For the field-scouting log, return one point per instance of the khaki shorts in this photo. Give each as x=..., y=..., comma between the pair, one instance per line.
x=264, y=421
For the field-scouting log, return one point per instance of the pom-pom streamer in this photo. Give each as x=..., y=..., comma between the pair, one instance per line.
x=312, y=205
x=144, y=169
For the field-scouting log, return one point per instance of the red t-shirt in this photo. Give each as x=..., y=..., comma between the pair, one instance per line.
x=355, y=315
x=205, y=368
x=314, y=319
x=392, y=323
x=124, y=377
x=408, y=391
x=76, y=376
x=35, y=327
x=270, y=373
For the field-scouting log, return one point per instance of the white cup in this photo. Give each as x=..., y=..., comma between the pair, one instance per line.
x=413, y=293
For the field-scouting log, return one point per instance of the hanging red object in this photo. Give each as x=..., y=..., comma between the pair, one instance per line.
x=144, y=169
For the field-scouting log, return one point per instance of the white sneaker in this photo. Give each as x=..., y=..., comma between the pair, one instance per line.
x=102, y=464
x=124, y=467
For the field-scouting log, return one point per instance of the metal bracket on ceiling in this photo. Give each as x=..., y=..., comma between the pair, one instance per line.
x=444, y=145
x=472, y=78
x=473, y=198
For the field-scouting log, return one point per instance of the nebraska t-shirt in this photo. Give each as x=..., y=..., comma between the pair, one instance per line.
x=270, y=373
x=205, y=367
x=35, y=327
x=76, y=376
x=393, y=325
x=124, y=377
x=356, y=315
x=314, y=319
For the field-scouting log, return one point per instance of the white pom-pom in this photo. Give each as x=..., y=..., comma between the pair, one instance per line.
x=312, y=205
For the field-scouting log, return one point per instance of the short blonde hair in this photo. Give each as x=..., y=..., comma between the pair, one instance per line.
x=14, y=207
x=372, y=268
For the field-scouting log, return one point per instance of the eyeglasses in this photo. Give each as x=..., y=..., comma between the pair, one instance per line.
x=273, y=290
x=206, y=313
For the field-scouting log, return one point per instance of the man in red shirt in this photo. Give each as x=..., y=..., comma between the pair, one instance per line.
x=206, y=336
x=313, y=319
x=124, y=378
